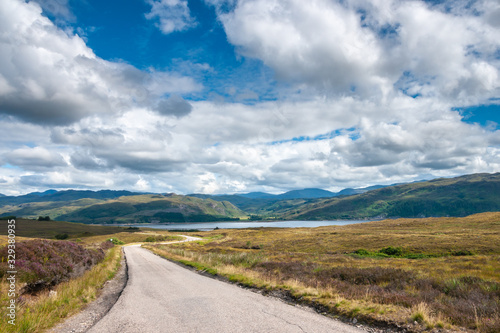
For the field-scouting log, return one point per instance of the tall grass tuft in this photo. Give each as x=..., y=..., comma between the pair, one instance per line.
x=420, y=313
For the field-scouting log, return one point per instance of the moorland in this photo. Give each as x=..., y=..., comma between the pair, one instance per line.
x=413, y=274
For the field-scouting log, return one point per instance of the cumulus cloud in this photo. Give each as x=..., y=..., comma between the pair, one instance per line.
x=35, y=158
x=320, y=43
x=84, y=159
x=137, y=141
x=371, y=48
x=375, y=85
x=174, y=106
x=51, y=77
x=171, y=15
x=276, y=146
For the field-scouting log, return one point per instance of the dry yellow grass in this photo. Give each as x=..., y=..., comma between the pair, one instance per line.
x=130, y=237
x=459, y=259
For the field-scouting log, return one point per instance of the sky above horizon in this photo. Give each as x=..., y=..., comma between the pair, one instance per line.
x=232, y=96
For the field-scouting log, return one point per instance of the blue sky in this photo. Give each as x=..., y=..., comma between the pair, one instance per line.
x=127, y=35
x=231, y=96
x=487, y=116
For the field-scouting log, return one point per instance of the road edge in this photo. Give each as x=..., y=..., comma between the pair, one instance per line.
x=286, y=297
x=96, y=310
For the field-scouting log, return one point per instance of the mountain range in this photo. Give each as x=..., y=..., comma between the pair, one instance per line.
x=458, y=196
x=307, y=193
x=53, y=195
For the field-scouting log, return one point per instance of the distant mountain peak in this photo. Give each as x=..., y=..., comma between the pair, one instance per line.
x=49, y=192
x=307, y=193
x=257, y=195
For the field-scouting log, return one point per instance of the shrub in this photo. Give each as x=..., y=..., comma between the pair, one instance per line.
x=185, y=230
x=152, y=239
x=44, y=263
x=392, y=251
x=362, y=252
x=106, y=245
x=115, y=241
x=462, y=253
x=61, y=236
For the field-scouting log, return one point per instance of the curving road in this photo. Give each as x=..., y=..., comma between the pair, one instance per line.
x=161, y=296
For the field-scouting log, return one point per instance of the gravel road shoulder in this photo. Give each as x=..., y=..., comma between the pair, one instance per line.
x=94, y=311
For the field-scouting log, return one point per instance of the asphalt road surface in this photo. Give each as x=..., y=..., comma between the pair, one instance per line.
x=161, y=296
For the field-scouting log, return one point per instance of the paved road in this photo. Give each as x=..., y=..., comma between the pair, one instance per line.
x=161, y=296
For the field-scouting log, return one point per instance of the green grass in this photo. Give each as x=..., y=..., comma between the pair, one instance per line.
x=445, y=272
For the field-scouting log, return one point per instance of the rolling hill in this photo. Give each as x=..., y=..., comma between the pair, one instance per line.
x=262, y=203
x=459, y=196
x=62, y=196
x=145, y=208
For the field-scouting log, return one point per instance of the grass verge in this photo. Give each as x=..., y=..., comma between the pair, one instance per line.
x=37, y=313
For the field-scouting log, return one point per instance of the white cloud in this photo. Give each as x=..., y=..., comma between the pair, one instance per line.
x=172, y=15
x=51, y=77
x=220, y=148
x=160, y=83
x=319, y=42
x=354, y=123
x=35, y=158
x=368, y=48
x=175, y=106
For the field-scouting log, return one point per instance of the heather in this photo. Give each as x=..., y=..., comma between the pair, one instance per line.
x=44, y=263
x=465, y=301
x=40, y=312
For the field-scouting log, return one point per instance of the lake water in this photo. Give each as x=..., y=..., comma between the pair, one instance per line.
x=205, y=226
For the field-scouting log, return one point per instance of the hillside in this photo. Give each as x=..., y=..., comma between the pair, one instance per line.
x=262, y=203
x=146, y=208
x=459, y=196
x=62, y=196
